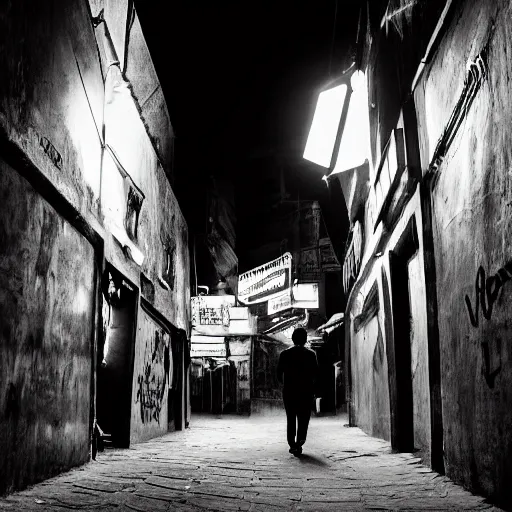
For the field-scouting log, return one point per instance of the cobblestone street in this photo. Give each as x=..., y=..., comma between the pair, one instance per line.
x=235, y=463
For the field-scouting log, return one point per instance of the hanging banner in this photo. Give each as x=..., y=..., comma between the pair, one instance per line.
x=266, y=281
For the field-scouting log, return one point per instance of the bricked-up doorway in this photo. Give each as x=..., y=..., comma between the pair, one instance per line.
x=116, y=352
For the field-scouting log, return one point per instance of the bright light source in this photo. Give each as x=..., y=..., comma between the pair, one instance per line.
x=355, y=140
x=322, y=135
x=357, y=80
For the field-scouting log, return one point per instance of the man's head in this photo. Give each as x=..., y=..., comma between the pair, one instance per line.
x=299, y=336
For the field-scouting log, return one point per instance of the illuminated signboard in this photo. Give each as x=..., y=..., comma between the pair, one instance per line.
x=304, y=295
x=207, y=346
x=211, y=309
x=265, y=282
x=324, y=128
x=216, y=315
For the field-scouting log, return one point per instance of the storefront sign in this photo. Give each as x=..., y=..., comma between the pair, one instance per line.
x=207, y=346
x=305, y=295
x=266, y=281
x=279, y=303
x=207, y=350
x=216, y=315
x=211, y=309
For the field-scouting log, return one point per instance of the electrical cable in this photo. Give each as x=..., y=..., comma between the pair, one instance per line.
x=333, y=34
x=195, y=263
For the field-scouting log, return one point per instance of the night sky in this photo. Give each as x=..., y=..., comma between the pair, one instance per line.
x=241, y=82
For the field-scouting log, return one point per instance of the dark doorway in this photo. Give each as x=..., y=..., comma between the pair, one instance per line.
x=404, y=426
x=115, y=369
x=175, y=396
x=401, y=387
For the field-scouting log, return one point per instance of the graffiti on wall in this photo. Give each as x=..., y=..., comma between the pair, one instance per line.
x=487, y=290
x=154, y=380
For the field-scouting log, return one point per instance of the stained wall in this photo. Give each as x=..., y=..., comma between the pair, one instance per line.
x=371, y=391
x=373, y=337
x=59, y=77
x=51, y=105
x=47, y=304
x=472, y=220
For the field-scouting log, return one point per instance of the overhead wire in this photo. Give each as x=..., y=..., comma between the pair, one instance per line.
x=333, y=39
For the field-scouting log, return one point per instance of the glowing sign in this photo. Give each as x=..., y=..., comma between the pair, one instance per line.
x=324, y=129
x=216, y=315
x=266, y=281
x=354, y=147
x=211, y=309
x=305, y=295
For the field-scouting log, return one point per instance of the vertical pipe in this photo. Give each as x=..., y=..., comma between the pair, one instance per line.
x=195, y=264
x=221, y=388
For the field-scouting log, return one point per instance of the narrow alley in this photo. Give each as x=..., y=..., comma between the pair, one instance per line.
x=219, y=220
x=234, y=463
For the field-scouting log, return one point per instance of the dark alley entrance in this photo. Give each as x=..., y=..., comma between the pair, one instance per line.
x=115, y=369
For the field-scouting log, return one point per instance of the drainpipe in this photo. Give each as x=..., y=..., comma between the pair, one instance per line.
x=348, y=370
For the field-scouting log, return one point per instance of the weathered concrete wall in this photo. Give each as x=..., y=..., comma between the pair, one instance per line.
x=53, y=97
x=51, y=104
x=164, y=233
x=472, y=223
x=162, y=239
x=141, y=73
x=370, y=369
x=132, y=53
x=419, y=357
x=47, y=296
x=375, y=339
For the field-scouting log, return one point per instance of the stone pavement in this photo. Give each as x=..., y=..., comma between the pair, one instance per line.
x=235, y=463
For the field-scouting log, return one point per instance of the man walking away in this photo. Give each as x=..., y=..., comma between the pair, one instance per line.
x=296, y=370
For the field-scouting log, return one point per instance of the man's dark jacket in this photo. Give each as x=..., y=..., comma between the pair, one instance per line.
x=298, y=366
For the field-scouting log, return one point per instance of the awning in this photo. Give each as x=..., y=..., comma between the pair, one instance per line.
x=334, y=322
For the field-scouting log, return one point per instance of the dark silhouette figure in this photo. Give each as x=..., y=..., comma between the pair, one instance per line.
x=296, y=370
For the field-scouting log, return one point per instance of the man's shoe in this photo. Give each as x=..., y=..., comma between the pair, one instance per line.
x=297, y=451
x=292, y=450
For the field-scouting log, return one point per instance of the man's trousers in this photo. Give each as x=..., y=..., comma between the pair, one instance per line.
x=298, y=412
